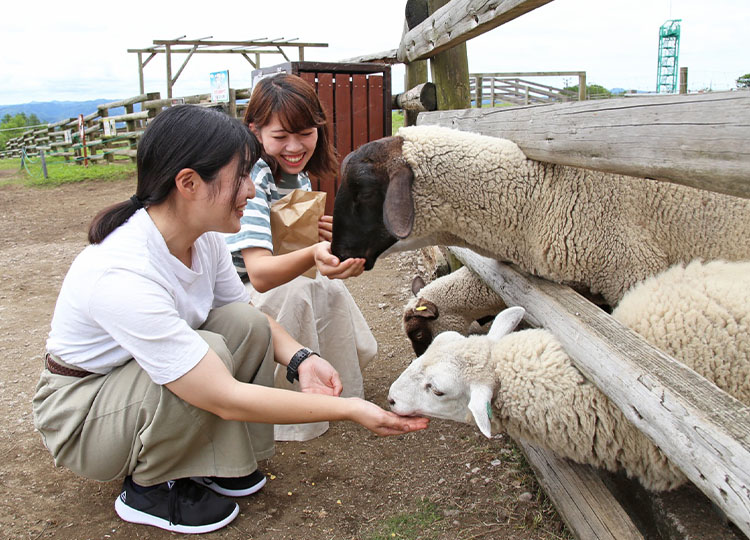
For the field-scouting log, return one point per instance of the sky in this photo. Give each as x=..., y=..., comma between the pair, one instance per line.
x=78, y=51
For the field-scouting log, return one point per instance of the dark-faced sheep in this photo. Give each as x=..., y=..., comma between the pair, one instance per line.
x=597, y=232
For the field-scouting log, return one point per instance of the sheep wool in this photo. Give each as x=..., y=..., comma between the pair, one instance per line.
x=451, y=302
x=597, y=232
x=698, y=313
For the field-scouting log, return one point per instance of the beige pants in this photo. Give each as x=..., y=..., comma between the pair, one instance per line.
x=321, y=314
x=108, y=426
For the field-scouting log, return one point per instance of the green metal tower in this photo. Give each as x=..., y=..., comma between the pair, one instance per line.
x=669, y=52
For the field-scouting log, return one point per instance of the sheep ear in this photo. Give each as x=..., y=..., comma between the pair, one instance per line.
x=480, y=405
x=417, y=284
x=426, y=309
x=398, y=208
x=505, y=322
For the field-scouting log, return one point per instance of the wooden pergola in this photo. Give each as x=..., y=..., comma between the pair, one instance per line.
x=248, y=49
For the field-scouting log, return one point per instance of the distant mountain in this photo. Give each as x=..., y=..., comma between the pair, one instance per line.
x=53, y=111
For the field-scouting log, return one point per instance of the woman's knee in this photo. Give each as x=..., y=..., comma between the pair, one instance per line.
x=238, y=322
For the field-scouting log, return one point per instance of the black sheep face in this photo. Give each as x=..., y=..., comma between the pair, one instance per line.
x=360, y=229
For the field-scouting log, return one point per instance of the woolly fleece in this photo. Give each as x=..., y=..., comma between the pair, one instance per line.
x=699, y=314
x=461, y=298
x=597, y=232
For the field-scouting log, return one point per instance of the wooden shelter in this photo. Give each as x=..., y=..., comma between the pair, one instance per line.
x=252, y=48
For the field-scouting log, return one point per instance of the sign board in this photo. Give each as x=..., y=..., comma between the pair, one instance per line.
x=110, y=127
x=219, y=86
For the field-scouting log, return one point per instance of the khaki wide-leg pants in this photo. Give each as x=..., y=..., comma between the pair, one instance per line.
x=108, y=426
x=321, y=314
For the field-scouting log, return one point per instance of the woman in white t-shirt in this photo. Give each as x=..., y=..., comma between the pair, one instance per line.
x=158, y=368
x=287, y=117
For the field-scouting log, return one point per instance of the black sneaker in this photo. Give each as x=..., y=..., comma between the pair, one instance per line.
x=233, y=487
x=181, y=506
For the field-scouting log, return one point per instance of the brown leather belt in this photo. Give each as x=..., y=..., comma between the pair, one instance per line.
x=57, y=369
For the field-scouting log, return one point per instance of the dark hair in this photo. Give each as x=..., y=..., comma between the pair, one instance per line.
x=298, y=108
x=181, y=137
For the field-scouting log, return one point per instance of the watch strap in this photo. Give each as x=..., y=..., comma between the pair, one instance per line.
x=300, y=356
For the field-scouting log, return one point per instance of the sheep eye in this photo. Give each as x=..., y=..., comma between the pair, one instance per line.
x=434, y=390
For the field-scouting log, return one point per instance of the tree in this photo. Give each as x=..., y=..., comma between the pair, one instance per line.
x=744, y=81
x=19, y=121
x=593, y=91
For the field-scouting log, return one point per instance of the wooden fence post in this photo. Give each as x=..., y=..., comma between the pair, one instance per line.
x=450, y=72
x=582, y=86
x=683, y=80
x=415, y=12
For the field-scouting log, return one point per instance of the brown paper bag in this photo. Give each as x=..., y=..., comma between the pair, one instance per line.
x=294, y=222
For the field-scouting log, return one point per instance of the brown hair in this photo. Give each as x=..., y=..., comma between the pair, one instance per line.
x=298, y=108
x=184, y=136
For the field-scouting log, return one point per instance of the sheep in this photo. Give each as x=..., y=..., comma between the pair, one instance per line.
x=600, y=233
x=452, y=302
x=697, y=313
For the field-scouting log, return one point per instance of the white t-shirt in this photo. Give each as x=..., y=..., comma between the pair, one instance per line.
x=129, y=297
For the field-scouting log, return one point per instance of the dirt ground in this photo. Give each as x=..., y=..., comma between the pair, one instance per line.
x=445, y=482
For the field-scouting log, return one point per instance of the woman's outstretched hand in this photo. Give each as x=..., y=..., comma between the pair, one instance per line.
x=330, y=266
x=382, y=422
x=317, y=376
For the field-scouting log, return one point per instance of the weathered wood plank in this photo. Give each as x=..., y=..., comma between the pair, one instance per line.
x=143, y=115
x=383, y=57
x=124, y=102
x=583, y=501
x=457, y=22
x=698, y=140
x=702, y=429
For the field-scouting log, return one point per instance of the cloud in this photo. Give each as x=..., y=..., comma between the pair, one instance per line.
x=81, y=53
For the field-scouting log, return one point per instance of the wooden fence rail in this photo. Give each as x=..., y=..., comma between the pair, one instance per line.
x=698, y=140
x=515, y=88
x=700, y=428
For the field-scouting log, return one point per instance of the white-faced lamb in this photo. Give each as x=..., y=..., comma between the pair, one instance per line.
x=452, y=302
x=597, y=232
x=525, y=383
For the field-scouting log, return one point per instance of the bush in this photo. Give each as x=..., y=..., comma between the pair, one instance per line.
x=593, y=91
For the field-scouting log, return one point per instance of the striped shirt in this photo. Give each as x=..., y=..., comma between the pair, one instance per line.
x=255, y=224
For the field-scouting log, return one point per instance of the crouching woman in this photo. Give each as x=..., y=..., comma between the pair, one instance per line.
x=157, y=368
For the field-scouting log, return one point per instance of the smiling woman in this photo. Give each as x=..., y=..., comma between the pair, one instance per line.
x=161, y=366
x=291, y=124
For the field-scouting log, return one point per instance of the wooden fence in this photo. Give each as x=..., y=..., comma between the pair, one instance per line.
x=104, y=137
x=491, y=89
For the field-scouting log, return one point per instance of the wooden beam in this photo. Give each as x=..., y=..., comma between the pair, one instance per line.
x=124, y=102
x=420, y=98
x=383, y=57
x=212, y=43
x=457, y=22
x=700, y=428
x=697, y=140
x=587, y=506
x=184, y=63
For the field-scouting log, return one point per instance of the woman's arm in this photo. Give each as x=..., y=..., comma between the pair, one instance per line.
x=315, y=374
x=267, y=270
x=210, y=386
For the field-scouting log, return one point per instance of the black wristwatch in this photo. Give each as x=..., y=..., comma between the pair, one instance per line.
x=300, y=356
